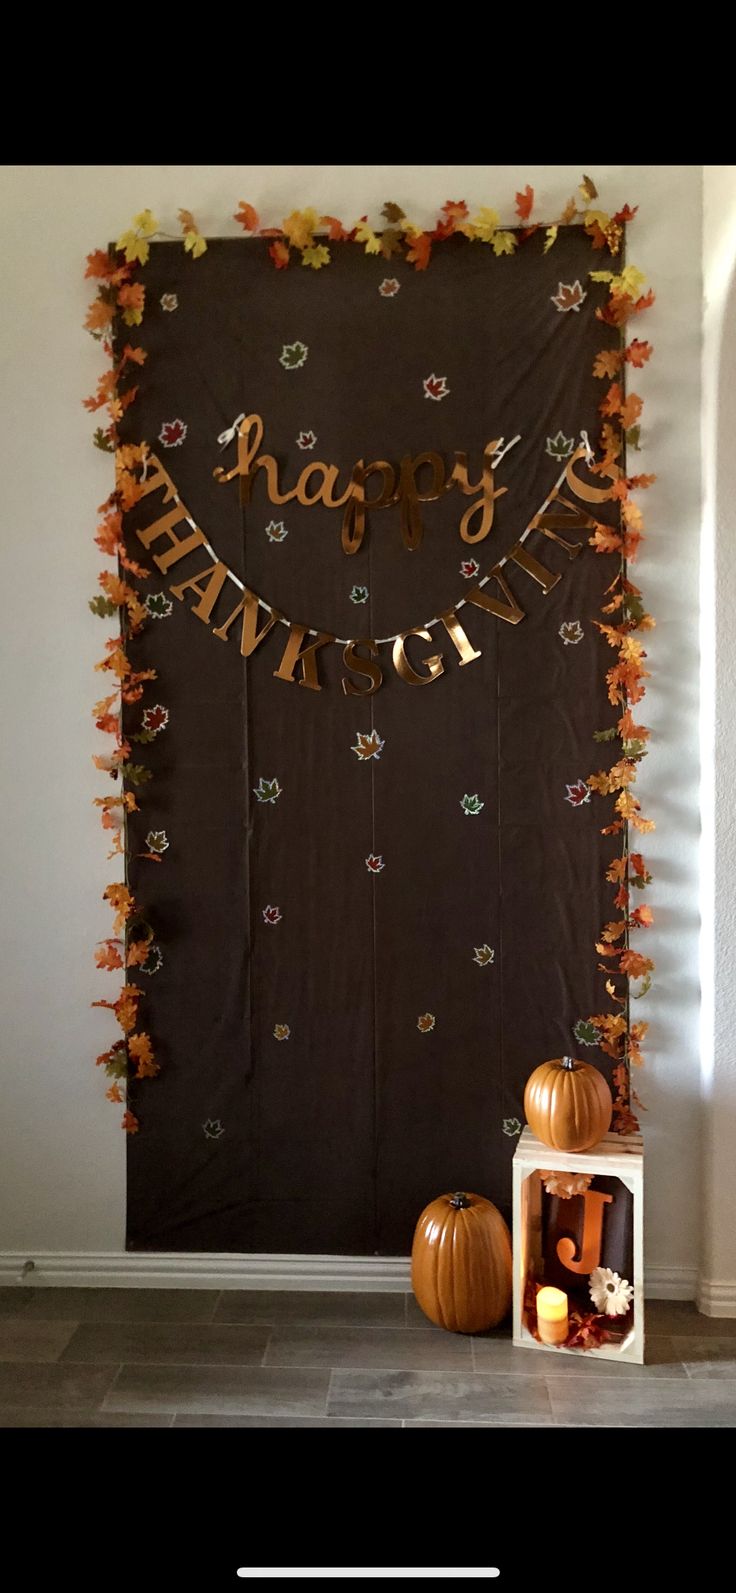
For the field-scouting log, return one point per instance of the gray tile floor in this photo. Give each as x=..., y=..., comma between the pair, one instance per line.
x=198, y=1358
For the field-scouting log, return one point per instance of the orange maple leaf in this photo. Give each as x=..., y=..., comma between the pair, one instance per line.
x=132, y=296
x=137, y=952
x=140, y=1048
x=634, y=965
x=524, y=203
x=604, y=540
x=99, y=315
x=638, y=353
x=611, y=404
x=130, y=1123
x=113, y=1094
x=419, y=253
x=247, y=216
x=279, y=253
x=107, y=955
x=642, y=917
x=607, y=363
x=121, y=901
x=630, y=410
x=335, y=230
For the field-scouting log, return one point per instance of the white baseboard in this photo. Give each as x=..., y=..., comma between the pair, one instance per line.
x=716, y=1299
x=385, y=1274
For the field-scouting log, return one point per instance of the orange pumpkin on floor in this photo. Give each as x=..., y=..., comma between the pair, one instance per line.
x=461, y=1263
x=568, y=1104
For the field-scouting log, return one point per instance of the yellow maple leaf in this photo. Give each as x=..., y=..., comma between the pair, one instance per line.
x=551, y=238
x=195, y=244
x=316, y=256
x=145, y=222
x=299, y=227
x=629, y=282
x=601, y=276
x=503, y=243
x=485, y=224
x=365, y=234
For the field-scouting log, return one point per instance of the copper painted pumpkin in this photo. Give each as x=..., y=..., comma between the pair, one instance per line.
x=568, y=1104
x=461, y=1263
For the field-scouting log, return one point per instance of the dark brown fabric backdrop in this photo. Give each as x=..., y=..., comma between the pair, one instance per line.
x=334, y=1140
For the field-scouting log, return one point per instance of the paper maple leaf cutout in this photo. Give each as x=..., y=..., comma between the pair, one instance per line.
x=469, y=568
x=559, y=447
x=368, y=745
x=435, y=387
x=169, y=301
x=153, y=961
x=511, y=1126
x=359, y=594
x=483, y=955
x=157, y=840
x=524, y=203
x=158, y=605
x=306, y=439
x=471, y=805
x=388, y=287
x=155, y=719
x=267, y=790
x=578, y=793
x=374, y=863
x=293, y=355
x=272, y=915
x=172, y=433
x=586, y=1033
x=213, y=1128
x=281, y=1031
x=571, y=632
x=569, y=296
x=276, y=531
x=426, y=1023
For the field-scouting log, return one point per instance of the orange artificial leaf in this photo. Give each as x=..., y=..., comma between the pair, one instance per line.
x=113, y=1094
x=634, y=965
x=107, y=955
x=607, y=363
x=246, y=216
x=604, y=540
x=637, y=863
x=642, y=917
x=141, y=1050
x=137, y=356
x=524, y=203
x=614, y=931
x=638, y=353
x=569, y=213
x=279, y=253
x=630, y=410
x=130, y=1123
x=138, y=951
x=616, y=869
x=121, y=901
x=335, y=230
x=611, y=404
x=99, y=315
x=419, y=253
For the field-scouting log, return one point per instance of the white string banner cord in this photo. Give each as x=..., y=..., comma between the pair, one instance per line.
x=383, y=641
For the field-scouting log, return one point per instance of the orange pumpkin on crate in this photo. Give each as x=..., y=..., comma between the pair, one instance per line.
x=461, y=1263
x=568, y=1104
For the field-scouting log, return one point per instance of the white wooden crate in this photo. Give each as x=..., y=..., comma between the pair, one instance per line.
x=615, y=1157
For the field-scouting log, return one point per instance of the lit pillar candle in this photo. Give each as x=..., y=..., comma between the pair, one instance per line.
x=552, y=1316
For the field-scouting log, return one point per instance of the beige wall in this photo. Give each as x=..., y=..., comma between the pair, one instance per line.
x=62, y=1154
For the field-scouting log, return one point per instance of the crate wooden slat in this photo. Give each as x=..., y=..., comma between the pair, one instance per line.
x=615, y=1157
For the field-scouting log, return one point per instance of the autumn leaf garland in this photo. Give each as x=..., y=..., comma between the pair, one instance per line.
x=624, y=620
x=121, y=299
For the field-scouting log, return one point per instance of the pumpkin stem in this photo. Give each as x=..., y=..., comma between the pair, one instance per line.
x=569, y=1064
x=460, y=1202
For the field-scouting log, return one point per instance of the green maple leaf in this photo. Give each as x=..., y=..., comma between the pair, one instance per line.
x=359, y=594
x=511, y=1126
x=632, y=437
x=605, y=735
x=144, y=735
x=586, y=1032
x=116, y=1066
x=101, y=440
x=103, y=606
x=471, y=805
x=135, y=773
x=393, y=212
x=158, y=605
x=267, y=790
x=293, y=355
x=559, y=447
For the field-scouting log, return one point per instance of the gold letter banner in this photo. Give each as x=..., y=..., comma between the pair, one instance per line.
x=299, y=663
